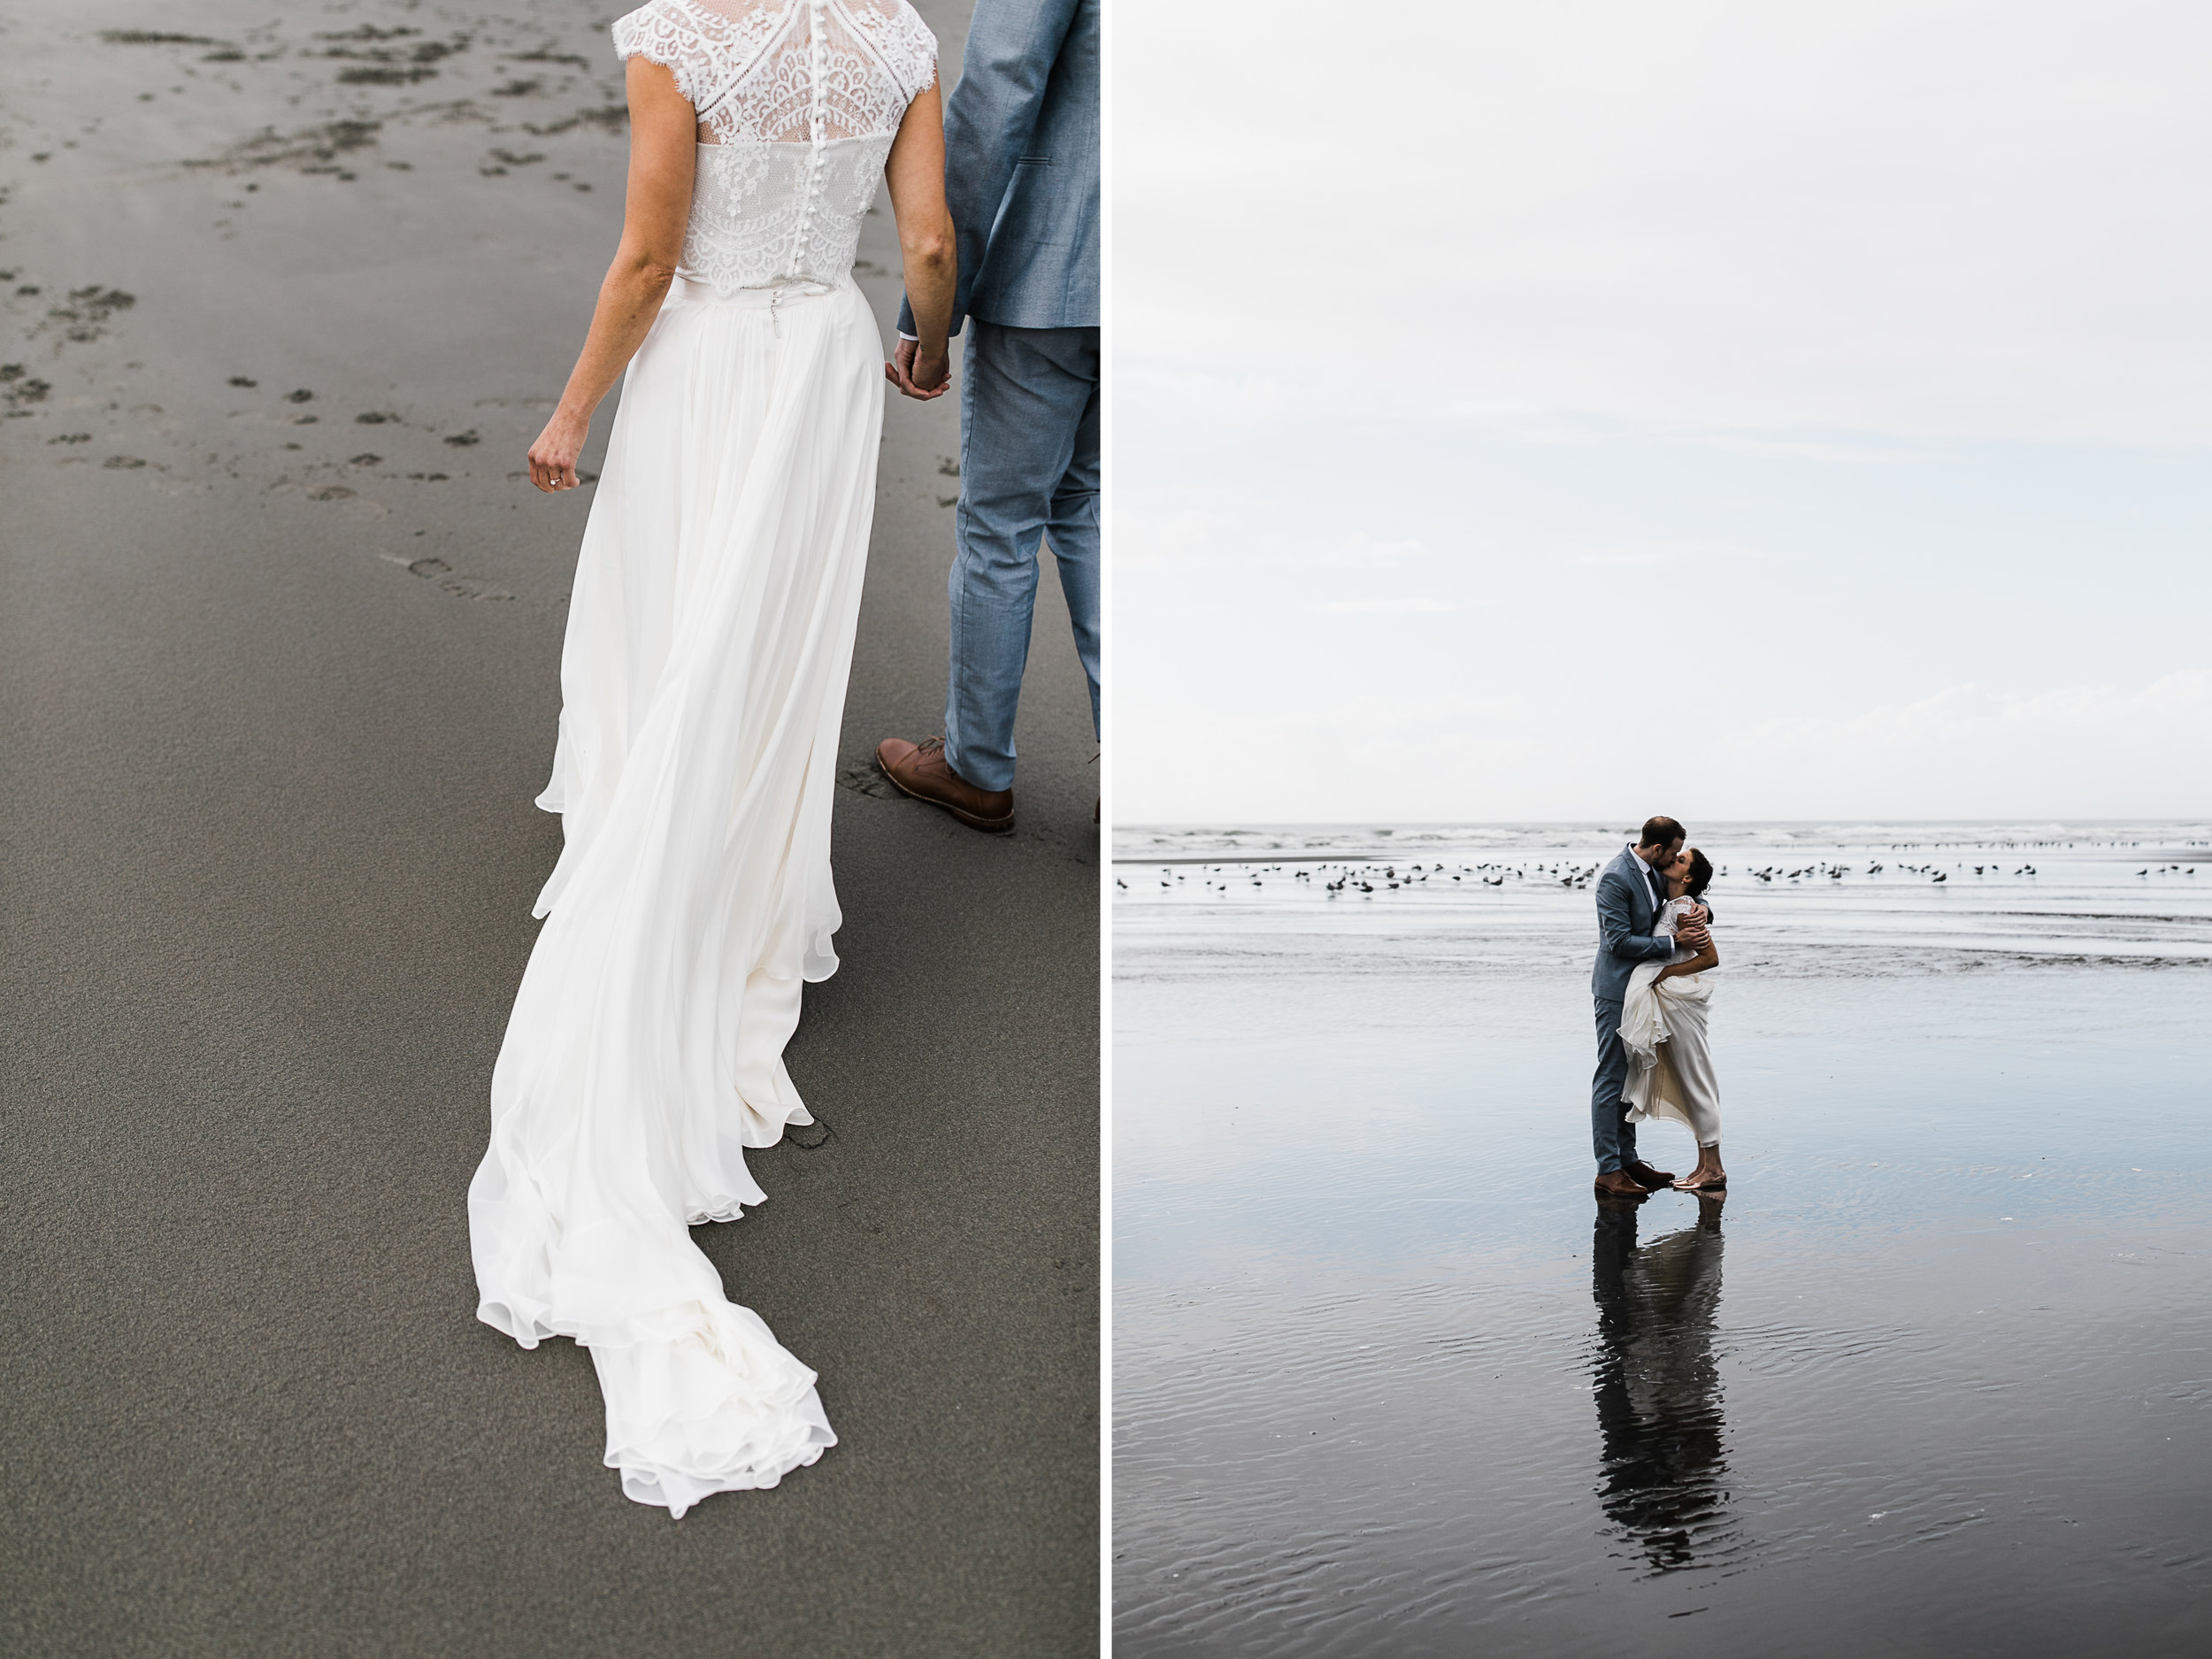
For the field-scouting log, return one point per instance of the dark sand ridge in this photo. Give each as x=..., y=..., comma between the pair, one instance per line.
x=272, y=718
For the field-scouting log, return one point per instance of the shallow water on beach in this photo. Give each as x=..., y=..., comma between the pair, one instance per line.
x=1936, y=1376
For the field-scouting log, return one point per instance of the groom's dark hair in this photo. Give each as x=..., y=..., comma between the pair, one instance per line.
x=1661, y=832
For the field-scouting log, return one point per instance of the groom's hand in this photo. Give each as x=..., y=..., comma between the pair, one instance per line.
x=930, y=372
x=901, y=373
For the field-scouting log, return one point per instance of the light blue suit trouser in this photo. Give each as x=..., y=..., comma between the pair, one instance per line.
x=1028, y=471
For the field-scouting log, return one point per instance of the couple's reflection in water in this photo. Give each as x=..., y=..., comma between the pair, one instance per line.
x=1658, y=1392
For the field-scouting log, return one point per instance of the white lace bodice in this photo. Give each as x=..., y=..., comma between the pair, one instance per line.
x=798, y=103
x=1669, y=923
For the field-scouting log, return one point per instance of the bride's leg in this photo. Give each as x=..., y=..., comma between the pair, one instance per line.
x=1709, y=1173
x=1700, y=1094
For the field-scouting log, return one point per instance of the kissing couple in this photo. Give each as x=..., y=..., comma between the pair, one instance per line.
x=1655, y=943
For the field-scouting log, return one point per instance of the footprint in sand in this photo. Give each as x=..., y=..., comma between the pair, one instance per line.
x=460, y=587
x=19, y=386
x=383, y=74
x=86, y=316
x=310, y=150
x=546, y=55
x=151, y=37
x=869, y=781
x=613, y=118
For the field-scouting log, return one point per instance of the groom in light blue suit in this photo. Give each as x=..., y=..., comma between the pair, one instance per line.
x=1022, y=182
x=1631, y=894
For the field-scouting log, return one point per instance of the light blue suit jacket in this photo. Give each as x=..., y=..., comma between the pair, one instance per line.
x=1626, y=916
x=1021, y=166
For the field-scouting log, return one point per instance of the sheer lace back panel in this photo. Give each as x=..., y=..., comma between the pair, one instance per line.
x=798, y=103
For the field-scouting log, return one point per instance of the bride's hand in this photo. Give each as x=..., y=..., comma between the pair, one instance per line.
x=553, y=457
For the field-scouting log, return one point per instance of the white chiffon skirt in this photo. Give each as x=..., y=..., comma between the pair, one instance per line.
x=1670, y=1069
x=702, y=681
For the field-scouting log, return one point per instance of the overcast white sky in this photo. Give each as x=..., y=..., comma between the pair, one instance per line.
x=1732, y=409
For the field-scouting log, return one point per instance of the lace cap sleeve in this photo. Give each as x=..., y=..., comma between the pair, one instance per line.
x=667, y=33
x=904, y=40
x=918, y=66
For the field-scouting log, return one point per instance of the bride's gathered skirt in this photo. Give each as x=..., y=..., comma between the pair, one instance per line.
x=702, y=682
x=1669, y=1062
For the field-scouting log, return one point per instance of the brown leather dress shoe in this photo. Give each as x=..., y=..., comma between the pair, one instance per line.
x=1644, y=1175
x=1614, y=1183
x=921, y=771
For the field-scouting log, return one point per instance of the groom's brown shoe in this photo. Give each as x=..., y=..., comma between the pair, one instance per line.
x=920, y=769
x=1616, y=1184
x=1644, y=1175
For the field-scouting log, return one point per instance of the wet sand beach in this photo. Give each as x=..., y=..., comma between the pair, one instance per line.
x=1931, y=1380
x=284, y=295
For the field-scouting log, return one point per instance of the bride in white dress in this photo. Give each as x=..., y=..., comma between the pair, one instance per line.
x=702, y=681
x=1663, y=1028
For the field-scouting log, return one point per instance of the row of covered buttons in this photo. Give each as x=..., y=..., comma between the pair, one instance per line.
x=814, y=122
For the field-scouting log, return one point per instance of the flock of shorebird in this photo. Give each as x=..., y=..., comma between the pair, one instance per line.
x=1364, y=878
x=1334, y=878
x=1369, y=877
x=1835, y=872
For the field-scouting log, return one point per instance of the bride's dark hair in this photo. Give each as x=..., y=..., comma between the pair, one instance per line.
x=1700, y=874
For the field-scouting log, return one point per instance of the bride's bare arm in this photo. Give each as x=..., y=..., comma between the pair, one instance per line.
x=916, y=174
x=1708, y=957
x=664, y=139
